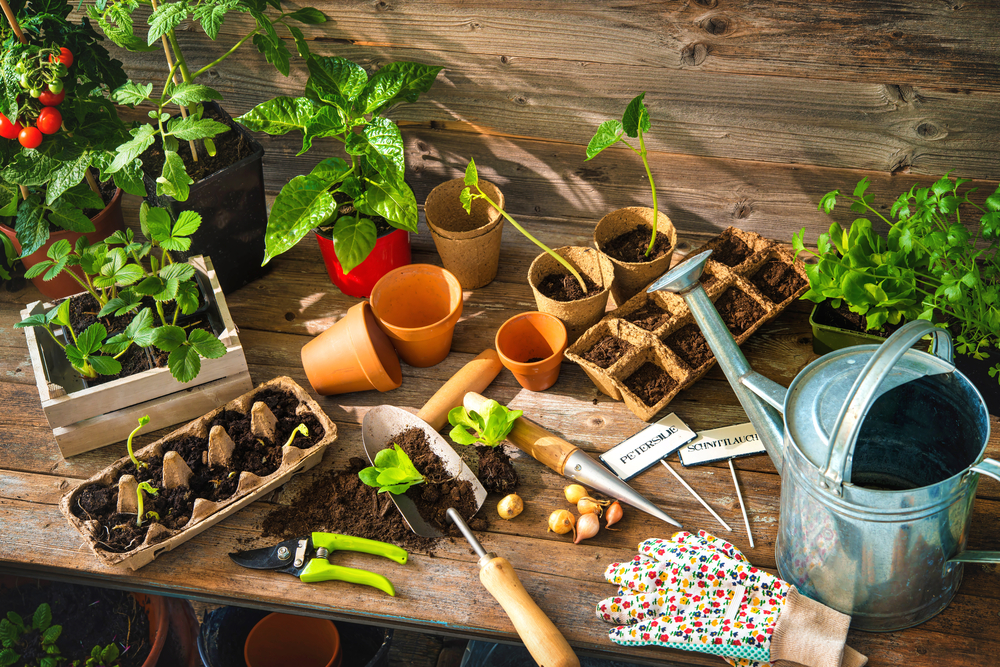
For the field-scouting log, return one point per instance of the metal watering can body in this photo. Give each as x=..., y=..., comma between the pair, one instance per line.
x=879, y=448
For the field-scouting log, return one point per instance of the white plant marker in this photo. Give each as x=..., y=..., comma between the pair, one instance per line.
x=697, y=497
x=743, y=507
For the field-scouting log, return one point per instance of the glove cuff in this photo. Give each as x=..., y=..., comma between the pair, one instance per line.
x=810, y=634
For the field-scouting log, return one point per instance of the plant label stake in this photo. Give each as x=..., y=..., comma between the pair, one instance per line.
x=697, y=497
x=743, y=507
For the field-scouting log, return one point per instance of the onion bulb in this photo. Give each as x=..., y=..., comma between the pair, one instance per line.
x=510, y=506
x=615, y=513
x=586, y=527
x=574, y=492
x=561, y=522
x=588, y=505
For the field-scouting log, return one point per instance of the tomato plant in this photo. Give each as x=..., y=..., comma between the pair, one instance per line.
x=65, y=57
x=9, y=130
x=30, y=137
x=49, y=120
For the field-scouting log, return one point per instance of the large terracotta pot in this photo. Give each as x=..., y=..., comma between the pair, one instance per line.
x=390, y=251
x=531, y=346
x=469, y=244
x=106, y=223
x=630, y=277
x=283, y=640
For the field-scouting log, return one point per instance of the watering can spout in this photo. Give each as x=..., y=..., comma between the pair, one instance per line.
x=762, y=399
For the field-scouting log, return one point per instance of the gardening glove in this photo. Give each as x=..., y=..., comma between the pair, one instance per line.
x=699, y=593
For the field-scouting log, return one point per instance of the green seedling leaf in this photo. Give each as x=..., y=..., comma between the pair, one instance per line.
x=190, y=128
x=42, y=618
x=471, y=174
x=184, y=363
x=393, y=201
x=186, y=94
x=308, y=15
x=392, y=472
x=169, y=338
x=205, y=344
x=126, y=302
x=175, y=181
x=142, y=138
x=608, y=134
x=489, y=428
x=635, y=120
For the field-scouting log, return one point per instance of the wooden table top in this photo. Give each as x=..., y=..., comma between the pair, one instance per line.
x=440, y=591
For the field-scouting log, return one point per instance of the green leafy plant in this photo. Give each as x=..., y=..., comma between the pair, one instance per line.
x=102, y=657
x=928, y=266
x=14, y=633
x=145, y=487
x=393, y=471
x=467, y=196
x=489, y=428
x=634, y=122
x=143, y=420
x=115, y=17
x=123, y=275
x=343, y=102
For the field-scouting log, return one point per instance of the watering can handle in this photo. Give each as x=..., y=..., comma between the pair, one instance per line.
x=865, y=390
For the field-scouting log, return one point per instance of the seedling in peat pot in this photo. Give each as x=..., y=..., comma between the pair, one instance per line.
x=301, y=429
x=151, y=490
x=393, y=471
x=490, y=427
x=467, y=196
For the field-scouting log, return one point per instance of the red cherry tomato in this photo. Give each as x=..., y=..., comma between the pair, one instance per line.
x=49, y=120
x=50, y=99
x=65, y=57
x=9, y=130
x=30, y=137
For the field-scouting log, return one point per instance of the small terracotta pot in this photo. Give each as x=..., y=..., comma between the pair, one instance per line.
x=469, y=245
x=579, y=315
x=418, y=306
x=631, y=277
x=390, y=251
x=352, y=355
x=530, y=336
x=106, y=223
x=282, y=640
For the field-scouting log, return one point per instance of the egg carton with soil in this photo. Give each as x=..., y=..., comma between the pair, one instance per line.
x=203, y=472
x=649, y=349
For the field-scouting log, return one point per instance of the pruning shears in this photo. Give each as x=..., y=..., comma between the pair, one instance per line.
x=307, y=559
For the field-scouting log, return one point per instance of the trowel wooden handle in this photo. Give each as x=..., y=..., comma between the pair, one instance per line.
x=541, y=637
x=474, y=376
x=542, y=445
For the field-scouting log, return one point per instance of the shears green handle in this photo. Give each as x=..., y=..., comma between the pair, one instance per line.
x=320, y=569
x=334, y=542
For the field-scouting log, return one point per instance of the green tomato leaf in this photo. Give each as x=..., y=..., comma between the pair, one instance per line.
x=353, y=240
x=175, y=181
x=31, y=227
x=211, y=15
x=167, y=17
x=131, y=93
x=191, y=128
x=308, y=15
x=67, y=216
x=142, y=138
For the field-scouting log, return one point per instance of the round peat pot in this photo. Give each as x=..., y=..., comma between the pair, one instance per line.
x=390, y=251
x=106, y=223
x=282, y=640
x=468, y=243
x=630, y=277
x=581, y=314
x=531, y=346
x=352, y=355
x=418, y=306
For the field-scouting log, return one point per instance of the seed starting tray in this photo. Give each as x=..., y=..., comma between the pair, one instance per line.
x=658, y=345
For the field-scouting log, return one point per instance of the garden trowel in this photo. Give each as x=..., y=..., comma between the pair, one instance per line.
x=385, y=422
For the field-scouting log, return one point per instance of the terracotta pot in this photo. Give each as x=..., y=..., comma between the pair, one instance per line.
x=469, y=244
x=579, y=315
x=631, y=277
x=106, y=223
x=390, y=251
x=282, y=640
x=530, y=336
x=352, y=355
x=418, y=306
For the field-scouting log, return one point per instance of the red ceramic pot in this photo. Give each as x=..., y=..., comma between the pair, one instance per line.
x=106, y=223
x=391, y=251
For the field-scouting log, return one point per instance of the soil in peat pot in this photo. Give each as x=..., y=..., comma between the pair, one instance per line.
x=777, y=280
x=690, y=345
x=496, y=471
x=650, y=383
x=339, y=502
x=216, y=483
x=738, y=310
x=651, y=316
x=231, y=147
x=707, y=279
x=607, y=351
x=89, y=617
x=731, y=250
x=564, y=287
x=631, y=246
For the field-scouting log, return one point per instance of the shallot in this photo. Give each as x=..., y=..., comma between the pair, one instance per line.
x=561, y=522
x=510, y=506
x=615, y=513
x=586, y=527
x=574, y=492
x=588, y=505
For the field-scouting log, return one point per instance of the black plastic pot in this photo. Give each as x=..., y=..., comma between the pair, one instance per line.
x=827, y=338
x=233, y=215
x=977, y=370
x=224, y=632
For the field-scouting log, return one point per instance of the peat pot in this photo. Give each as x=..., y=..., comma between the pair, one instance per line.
x=468, y=243
x=880, y=450
x=632, y=277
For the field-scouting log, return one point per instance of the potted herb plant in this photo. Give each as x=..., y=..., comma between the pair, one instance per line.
x=362, y=210
x=929, y=266
x=639, y=241
x=142, y=317
x=201, y=160
x=59, y=131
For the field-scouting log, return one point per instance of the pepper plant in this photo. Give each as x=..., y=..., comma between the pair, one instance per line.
x=125, y=276
x=115, y=18
x=342, y=101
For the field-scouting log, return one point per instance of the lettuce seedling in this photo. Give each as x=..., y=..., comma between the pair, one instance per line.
x=490, y=427
x=151, y=490
x=393, y=471
x=143, y=420
x=12, y=632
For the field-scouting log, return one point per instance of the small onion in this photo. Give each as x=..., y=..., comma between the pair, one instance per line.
x=561, y=522
x=574, y=492
x=510, y=506
x=586, y=527
x=588, y=505
x=615, y=513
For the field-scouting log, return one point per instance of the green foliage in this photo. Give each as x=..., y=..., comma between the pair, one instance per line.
x=122, y=274
x=489, y=428
x=301, y=429
x=393, y=471
x=103, y=657
x=341, y=101
x=143, y=420
x=928, y=265
x=13, y=631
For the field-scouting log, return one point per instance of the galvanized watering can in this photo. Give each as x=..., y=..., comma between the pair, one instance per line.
x=878, y=447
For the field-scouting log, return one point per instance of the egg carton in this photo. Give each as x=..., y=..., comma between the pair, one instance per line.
x=660, y=343
x=176, y=472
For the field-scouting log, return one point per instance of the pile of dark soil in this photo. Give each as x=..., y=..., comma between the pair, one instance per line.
x=631, y=246
x=731, y=250
x=650, y=383
x=565, y=287
x=496, y=471
x=777, y=280
x=738, y=310
x=690, y=345
x=607, y=351
x=649, y=317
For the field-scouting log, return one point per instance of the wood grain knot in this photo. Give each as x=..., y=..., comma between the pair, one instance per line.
x=931, y=132
x=383, y=6
x=743, y=209
x=901, y=164
x=289, y=316
x=505, y=60
x=521, y=100
x=707, y=4
x=593, y=175
x=715, y=25
x=694, y=54
x=596, y=422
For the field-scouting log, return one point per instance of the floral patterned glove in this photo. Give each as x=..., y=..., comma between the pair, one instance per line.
x=699, y=593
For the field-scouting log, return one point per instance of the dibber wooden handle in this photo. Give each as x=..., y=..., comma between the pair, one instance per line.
x=528, y=436
x=474, y=376
x=541, y=637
